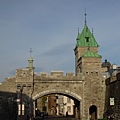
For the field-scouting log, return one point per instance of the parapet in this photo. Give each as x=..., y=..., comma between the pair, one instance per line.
x=69, y=74
x=57, y=73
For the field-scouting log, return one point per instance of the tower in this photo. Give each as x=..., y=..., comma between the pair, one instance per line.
x=88, y=67
x=85, y=41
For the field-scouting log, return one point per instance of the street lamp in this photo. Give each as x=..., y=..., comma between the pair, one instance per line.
x=21, y=90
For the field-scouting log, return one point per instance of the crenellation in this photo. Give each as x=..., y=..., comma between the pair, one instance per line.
x=56, y=77
x=43, y=74
x=57, y=73
x=69, y=74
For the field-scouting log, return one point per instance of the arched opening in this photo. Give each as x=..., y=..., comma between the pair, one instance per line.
x=60, y=108
x=56, y=104
x=93, y=112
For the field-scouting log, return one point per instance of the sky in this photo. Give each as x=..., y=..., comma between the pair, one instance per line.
x=50, y=28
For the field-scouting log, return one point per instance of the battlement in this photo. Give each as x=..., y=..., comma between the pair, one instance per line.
x=57, y=75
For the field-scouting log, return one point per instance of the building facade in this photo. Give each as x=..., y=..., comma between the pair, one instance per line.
x=112, y=98
x=65, y=105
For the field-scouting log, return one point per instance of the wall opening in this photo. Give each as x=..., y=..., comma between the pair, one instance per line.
x=75, y=97
x=93, y=112
x=55, y=105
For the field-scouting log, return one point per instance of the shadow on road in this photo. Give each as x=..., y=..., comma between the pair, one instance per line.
x=50, y=117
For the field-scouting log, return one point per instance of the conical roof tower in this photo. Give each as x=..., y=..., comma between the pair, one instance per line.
x=84, y=41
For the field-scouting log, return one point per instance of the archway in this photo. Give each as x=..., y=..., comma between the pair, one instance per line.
x=56, y=91
x=93, y=112
x=77, y=99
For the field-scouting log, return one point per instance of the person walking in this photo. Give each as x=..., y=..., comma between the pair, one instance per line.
x=111, y=117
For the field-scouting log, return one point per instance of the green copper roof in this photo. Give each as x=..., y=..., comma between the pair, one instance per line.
x=90, y=53
x=86, y=38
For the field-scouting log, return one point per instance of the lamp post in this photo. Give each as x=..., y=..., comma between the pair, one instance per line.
x=21, y=90
x=18, y=102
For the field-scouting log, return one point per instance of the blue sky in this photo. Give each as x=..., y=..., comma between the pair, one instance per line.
x=50, y=28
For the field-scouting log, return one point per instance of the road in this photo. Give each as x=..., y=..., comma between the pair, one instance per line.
x=55, y=118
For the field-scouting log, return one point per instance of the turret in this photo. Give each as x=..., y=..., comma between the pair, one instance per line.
x=30, y=61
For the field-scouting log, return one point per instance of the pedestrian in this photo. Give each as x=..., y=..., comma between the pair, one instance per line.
x=27, y=117
x=67, y=114
x=47, y=114
x=111, y=117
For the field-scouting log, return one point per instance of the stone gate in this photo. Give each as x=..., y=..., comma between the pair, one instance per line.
x=85, y=87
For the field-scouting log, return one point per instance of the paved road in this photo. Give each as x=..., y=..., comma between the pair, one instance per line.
x=55, y=118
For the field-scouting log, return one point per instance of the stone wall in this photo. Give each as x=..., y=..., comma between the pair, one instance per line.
x=86, y=88
x=9, y=84
x=8, y=106
x=93, y=94
x=112, y=91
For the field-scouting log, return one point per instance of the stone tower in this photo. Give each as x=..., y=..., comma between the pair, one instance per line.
x=88, y=68
x=85, y=43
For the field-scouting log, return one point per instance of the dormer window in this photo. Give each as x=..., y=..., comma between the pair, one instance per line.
x=87, y=39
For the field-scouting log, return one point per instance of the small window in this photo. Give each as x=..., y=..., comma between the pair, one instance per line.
x=87, y=39
x=87, y=73
x=92, y=73
x=96, y=73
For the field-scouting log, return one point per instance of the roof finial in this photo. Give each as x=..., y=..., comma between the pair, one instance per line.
x=92, y=30
x=85, y=16
x=30, y=61
x=78, y=31
x=30, y=52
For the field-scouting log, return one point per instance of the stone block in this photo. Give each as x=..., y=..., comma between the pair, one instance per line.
x=69, y=74
x=57, y=73
x=43, y=74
